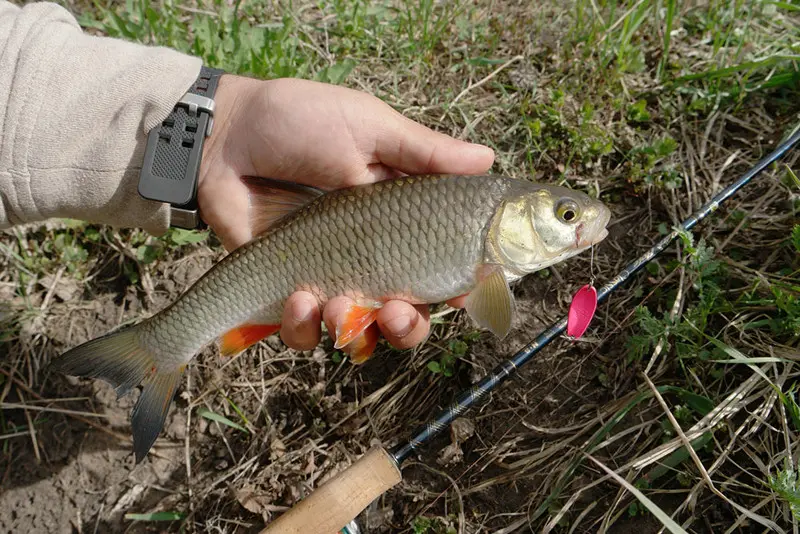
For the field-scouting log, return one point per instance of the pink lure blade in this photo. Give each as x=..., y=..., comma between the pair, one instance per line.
x=581, y=311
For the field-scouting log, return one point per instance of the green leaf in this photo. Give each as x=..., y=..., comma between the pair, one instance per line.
x=785, y=485
x=664, y=147
x=179, y=236
x=669, y=464
x=796, y=237
x=768, y=62
x=208, y=414
x=336, y=73
x=788, y=400
x=121, y=26
x=92, y=234
x=699, y=403
x=638, y=112
x=784, y=5
x=157, y=516
x=87, y=20
x=434, y=367
x=238, y=411
x=458, y=347
x=74, y=223
x=147, y=254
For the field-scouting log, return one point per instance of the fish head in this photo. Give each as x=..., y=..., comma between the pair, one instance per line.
x=543, y=225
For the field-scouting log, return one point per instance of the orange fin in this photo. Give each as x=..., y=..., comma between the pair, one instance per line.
x=355, y=320
x=362, y=347
x=238, y=339
x=271, y=200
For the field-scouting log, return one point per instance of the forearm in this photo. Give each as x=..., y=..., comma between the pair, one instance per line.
x=75, y=110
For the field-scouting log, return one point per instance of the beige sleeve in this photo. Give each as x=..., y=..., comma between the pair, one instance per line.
x=75, y=110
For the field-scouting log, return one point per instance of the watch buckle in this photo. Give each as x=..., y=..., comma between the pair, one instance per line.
x=197, y=103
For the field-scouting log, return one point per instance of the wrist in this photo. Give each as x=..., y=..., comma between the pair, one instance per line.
x=215, y=146
x=237, y=107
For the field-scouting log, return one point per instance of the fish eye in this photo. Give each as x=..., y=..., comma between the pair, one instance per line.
x=567, y=211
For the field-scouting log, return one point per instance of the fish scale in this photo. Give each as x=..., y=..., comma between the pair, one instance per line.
x=422, y=239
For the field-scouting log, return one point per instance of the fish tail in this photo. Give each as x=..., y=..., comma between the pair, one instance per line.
x=122, y=360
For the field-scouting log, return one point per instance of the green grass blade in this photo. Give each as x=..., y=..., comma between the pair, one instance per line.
x=747, y=65
x=784, y=5
x=699, y=403
x=208, y=414
x=157, y=516
x=668, y=21
x=238, y=411
x=660, y=514
x=596, y=438
x=671, y=462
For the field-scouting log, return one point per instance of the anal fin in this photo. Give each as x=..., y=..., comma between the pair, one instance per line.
x=240, y=338
x=355, y=321
x=362, y=347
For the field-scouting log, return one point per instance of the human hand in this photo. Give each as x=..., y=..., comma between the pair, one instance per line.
x=327, y=137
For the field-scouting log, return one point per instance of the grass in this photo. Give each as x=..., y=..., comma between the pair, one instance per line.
x=652, y=105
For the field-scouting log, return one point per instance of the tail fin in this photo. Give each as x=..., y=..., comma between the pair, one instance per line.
x=120, y=359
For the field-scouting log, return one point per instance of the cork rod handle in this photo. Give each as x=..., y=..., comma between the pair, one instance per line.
x=339, y=500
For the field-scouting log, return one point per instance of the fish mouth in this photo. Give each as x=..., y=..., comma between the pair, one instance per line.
x=587, y=235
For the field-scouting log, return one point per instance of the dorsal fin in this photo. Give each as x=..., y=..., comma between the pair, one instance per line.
x=271, y=200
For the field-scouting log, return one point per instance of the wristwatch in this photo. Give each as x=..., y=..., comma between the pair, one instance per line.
x=174, y=150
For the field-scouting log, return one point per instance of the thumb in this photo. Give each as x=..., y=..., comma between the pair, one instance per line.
x=410, y=147
x=224, y=205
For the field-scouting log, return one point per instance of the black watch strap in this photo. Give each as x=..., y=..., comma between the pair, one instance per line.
x=174, y=151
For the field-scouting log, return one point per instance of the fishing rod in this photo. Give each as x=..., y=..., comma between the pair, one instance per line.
x=334, y=505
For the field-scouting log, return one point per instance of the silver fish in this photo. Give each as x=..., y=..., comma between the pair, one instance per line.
x=422, y=239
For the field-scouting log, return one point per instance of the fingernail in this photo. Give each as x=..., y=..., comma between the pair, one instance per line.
x=302, y=311
x=400, y=326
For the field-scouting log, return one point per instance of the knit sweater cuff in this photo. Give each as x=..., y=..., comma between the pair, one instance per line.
x=75, y=111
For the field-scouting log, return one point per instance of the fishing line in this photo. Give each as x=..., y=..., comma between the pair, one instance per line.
x=502, y=372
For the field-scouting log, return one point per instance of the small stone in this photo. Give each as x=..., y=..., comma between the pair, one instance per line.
x=461, y=430
x=277, y=449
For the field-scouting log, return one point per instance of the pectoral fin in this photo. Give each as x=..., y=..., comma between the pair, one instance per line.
x=491, y=303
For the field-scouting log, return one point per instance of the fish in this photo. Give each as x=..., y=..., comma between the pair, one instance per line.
x=423, y=239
